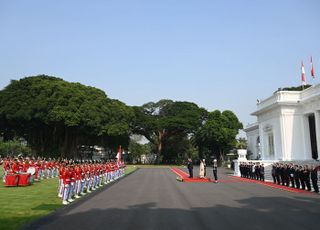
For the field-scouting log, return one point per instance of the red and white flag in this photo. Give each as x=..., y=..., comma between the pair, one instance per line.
x=312, y=69
x=303, y=76
x=119, y=156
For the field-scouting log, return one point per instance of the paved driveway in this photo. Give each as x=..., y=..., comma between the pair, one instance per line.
x=153, y=199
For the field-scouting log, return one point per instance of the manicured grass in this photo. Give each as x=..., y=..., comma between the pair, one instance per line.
x=21, y=205
x=130, y=169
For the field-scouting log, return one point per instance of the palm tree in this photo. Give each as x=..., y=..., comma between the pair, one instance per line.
x=241, y=143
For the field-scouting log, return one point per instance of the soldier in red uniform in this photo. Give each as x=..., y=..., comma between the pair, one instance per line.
x=77, y=170
x=61, y=183
x=96, y=176
x=48, y=168
x=57, y=166
x=42, y=169
x=105, y=170
x=108, y=172
x=92, y=176
x=25, y=166
x=83, y=179
x=72, y=183
x=89, y=178
x=37, y=166
x=15, y=166
x=6, y=168
x=66, y=185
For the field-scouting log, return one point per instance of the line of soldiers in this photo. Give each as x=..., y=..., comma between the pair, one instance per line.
x=76, y=178
x=80, y=178
x=295, y=176
x=252, y=171
x=40, y=168
x=290, y=175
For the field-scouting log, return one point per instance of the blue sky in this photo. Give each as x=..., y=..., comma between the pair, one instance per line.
x=219, y=54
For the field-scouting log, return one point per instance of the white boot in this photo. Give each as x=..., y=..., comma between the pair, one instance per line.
x=65, y=202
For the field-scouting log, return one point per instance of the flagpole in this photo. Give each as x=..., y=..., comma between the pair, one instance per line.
x=303, y=77
x=312, y=68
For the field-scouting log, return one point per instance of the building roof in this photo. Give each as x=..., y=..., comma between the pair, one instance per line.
x=287, y=98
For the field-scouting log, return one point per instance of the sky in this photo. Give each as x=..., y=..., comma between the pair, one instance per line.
x=219, y=54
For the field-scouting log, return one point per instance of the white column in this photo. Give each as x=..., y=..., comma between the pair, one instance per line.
x=263, y=146
x=284, y=138
x=242, y=153
x=317, y=119
x=236, y=168
x=306, y=138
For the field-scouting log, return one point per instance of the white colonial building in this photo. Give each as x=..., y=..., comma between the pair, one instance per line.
x=288, y=126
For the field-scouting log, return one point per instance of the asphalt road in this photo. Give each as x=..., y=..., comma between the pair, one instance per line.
x=153, y=199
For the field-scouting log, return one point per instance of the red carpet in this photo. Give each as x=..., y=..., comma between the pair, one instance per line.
x=272, y=185
x=185, y=176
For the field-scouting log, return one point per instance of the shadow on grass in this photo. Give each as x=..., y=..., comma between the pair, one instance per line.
x=13, y=223
x=252, y=213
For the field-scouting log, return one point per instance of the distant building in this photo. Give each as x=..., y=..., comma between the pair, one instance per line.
x=288, y=126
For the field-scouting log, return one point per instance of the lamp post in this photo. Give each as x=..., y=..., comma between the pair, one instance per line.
x=128, y=156
x=123, y=154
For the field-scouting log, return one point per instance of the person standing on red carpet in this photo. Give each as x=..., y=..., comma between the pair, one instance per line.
x=190, y=168
x=215, y=170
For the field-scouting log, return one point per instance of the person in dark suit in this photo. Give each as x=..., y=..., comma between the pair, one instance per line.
x=282, y=174
x=278, y=172
x=296, y=176
x=257, y=171
x=287, y=175
x=273, y=173
x=306, y=175
x=241, y=166
x=314, y=178
x=215, y=170
x=301, y=177
x=261, y=172
x=190, y=168
x=291, y=174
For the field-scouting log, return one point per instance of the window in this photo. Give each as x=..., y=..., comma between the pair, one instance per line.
x=313, y=136
x=270, y=144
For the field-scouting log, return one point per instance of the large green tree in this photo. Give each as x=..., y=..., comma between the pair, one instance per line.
x=218, y=133
x=167, y=122
x=56, y=116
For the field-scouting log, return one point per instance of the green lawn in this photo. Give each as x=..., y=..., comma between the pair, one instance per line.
x=21, y=205
x=130, y=169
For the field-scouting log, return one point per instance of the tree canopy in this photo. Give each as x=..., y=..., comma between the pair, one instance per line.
x=167, y=123
x=54, y=116
x=218, y=133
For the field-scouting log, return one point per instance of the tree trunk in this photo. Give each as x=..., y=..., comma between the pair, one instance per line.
x=160, y=140
x=221, y=156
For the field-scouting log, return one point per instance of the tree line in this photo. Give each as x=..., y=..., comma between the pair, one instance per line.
x=55, y=117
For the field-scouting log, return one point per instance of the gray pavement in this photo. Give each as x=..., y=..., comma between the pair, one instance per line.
x=154, y=199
